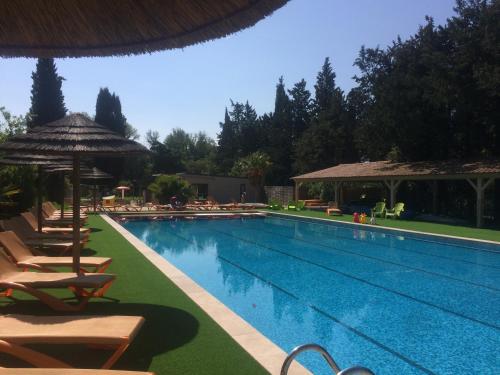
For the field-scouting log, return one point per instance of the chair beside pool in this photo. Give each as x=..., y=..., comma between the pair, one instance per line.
x=83, y=287
x=333, y=209
x=395, y=212
x=379, y=209
x=42, y=242
x=108, y=332
x=25, y=258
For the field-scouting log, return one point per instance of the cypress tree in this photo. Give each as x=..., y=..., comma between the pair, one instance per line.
x=47, y=99
x=108, y=113
x=227, y=147
x=300, y=108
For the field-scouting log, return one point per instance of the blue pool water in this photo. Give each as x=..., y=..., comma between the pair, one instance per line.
x=393, y=302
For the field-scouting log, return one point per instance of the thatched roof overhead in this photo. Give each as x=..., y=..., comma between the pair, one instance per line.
x=380, y=170
x=72, y=134
x=74, y=28
x=33, y=159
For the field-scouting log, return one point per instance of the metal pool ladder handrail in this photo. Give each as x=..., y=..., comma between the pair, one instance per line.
x=356, y=370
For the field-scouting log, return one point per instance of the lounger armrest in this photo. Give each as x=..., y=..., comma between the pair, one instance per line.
x=51, y=301
x=30, y=356
x=35, y=267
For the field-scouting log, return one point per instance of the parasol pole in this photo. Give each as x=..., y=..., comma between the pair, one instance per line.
x=39, y=200
x=76, y=213
x=61, y=177
x=95, y=200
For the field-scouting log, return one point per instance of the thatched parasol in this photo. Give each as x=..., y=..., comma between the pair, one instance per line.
x=87, y=175
x=75, y=28
x=74, y=135
x=40, y=161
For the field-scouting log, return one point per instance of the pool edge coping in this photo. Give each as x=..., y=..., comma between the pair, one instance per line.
x=262, y=349
x=370, y=226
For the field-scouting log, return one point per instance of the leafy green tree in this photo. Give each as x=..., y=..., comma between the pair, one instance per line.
x=163, y=161
x=166, y=186
x=16, y=183
x=180, y=144
x=12, y=125
x=47, y=99
x=254, y=167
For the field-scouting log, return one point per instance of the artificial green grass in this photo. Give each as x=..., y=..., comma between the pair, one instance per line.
x=436, y=228
x=177, y=338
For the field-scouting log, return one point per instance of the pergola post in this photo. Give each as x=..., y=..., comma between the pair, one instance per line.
x=296, y=190
x=480, y=186
x=435, y=197
x=338, y=186
x=392, y=185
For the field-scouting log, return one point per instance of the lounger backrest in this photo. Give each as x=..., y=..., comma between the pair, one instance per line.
x=51, y=205
x=30, y=219
x=19, y=226
x=46, y=210
x=14, y=246
x=6, y=266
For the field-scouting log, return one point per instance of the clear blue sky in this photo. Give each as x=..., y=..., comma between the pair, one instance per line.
x=190, y=88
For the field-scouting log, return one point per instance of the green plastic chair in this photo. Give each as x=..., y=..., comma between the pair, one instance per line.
x=379, y=209
x=300, y=205
x=396, y=211
x=275, y=205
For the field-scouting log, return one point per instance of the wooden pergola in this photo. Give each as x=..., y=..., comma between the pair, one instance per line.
x=479, y=175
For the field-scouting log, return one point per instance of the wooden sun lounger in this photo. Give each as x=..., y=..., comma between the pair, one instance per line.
x=66, y=371
x=60, y=243
x=83, y=287
x=108, y=332
x=56, y=221
x=24, y=258
x=52, y=211
x=30, y=218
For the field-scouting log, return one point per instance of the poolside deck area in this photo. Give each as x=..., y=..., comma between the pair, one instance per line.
x=412, y=225
x=177, y=338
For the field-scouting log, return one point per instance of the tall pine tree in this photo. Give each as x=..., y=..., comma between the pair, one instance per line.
x=47, y=99
x=325, y=86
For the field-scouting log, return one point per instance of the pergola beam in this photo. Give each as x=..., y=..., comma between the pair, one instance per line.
x=392, y=185
x=480, y=186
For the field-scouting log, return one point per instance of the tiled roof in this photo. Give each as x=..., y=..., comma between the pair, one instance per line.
x=387, y=169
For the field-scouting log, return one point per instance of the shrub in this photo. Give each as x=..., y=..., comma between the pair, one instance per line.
x=166, y=186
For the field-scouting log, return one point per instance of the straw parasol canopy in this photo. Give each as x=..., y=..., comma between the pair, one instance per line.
x=34, y=159
x=92, y=176
x=74, y=135
x=76, y=28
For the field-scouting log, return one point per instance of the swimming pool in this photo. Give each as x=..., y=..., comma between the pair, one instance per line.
x=394, y=302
